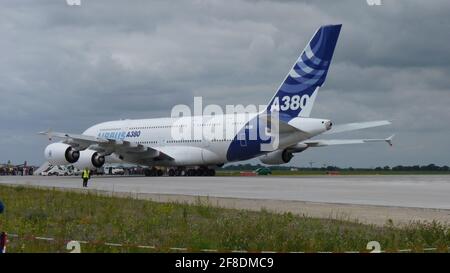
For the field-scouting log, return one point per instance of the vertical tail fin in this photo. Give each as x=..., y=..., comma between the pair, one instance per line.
x=296, y=95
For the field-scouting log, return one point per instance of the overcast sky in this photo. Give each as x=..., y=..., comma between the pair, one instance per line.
x=67, y=68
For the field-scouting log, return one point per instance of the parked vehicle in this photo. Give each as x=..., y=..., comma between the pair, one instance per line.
x=117, y=171
x=263, y=171
x=57, y=171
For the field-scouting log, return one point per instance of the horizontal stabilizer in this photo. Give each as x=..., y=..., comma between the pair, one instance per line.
x=330, y=142
x=356, y=126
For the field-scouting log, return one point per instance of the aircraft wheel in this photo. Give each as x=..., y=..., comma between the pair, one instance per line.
x=171, y=172
x=159, y=173
x=211, y=172
x=154, y=172
x=198, y=172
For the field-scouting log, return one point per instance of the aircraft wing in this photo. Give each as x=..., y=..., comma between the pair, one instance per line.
x=299, y=147
x=108, y=146
x=79, y=140
x=356, y=126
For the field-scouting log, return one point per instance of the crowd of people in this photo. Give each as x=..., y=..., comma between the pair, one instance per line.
x=16, y=170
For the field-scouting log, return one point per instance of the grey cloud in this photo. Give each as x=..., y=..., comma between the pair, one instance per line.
x=70, y=67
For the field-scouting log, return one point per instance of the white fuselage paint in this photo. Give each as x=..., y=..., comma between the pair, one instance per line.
x=210, y=147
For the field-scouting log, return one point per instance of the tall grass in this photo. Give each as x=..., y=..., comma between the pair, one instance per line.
x=90, y=217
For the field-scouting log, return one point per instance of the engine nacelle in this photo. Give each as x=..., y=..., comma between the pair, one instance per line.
x=276, y=157
x=61, y=154
x=90, y=159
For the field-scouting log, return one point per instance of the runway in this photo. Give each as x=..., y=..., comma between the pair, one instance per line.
x=372, y=199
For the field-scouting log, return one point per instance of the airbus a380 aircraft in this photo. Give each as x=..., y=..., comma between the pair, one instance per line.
x=152, y=142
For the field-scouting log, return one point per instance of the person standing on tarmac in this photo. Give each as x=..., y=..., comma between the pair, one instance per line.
x=3, y=237
x=86, y=174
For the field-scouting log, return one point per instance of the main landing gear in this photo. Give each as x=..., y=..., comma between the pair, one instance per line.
x=153, y=172
x=180, y=171
x=202, y=171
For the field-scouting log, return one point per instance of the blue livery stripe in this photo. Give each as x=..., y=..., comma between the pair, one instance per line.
x=308, y=73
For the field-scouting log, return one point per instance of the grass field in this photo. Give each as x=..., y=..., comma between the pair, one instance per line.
x=99, y=219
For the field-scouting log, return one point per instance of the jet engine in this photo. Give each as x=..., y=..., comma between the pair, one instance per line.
x=276, y=157
x=61, y=154
x=90, y=159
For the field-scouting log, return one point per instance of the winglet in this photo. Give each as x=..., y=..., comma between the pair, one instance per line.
x=389, y=139
x=48, y=133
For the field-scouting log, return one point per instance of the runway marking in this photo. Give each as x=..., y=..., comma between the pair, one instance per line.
x=50, y=239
